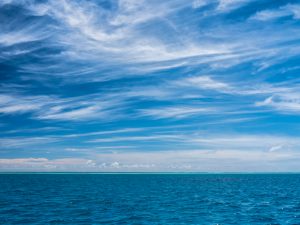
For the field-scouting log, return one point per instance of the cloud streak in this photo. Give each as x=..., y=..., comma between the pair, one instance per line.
x=284, y=11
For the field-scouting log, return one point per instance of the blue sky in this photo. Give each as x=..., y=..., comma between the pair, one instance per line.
x=137, y=85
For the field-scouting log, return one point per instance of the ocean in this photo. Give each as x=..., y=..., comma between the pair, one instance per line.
x=149, y=199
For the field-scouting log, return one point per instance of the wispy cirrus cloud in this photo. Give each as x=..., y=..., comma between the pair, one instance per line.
x=282, y=104
x=13, y=104
x=155, y=137
x=88, y=34
x=56, y=108
x=22, y=142
x=228, y=5
x=176, y=112
x=204, y=82
x=208, y=82
x=283, y=11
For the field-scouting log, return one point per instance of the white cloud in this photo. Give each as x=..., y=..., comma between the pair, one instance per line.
x=87, y=32
x=206, y=141
x=228, y=5
x=282, y=103
x=175, y=112
x=276, y=148
x=287, y=10
x=199, y=3
x=59, y=108
x=44, y=164
x=204, y=82
x=194, y=152
x=245, y=142
x=17, y=142
x=117, y=131
x=10, y=104
x=77, y=114
x=164, y=161
x=90, y=31
x=155, y=137
x=8, y=39
x=18, y=108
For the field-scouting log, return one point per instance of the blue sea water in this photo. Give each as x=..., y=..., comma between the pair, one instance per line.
x=149, y=199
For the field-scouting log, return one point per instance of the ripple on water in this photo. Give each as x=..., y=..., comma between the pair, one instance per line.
x=149, y=199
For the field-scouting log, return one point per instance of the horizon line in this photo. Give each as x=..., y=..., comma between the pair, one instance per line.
x=103, y=173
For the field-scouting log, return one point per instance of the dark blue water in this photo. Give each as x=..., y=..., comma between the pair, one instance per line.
x=149, y=199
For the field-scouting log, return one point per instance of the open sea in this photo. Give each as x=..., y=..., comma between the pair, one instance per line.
x=149, y=199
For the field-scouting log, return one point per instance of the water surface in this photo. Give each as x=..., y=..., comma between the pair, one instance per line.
x=149, y=199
